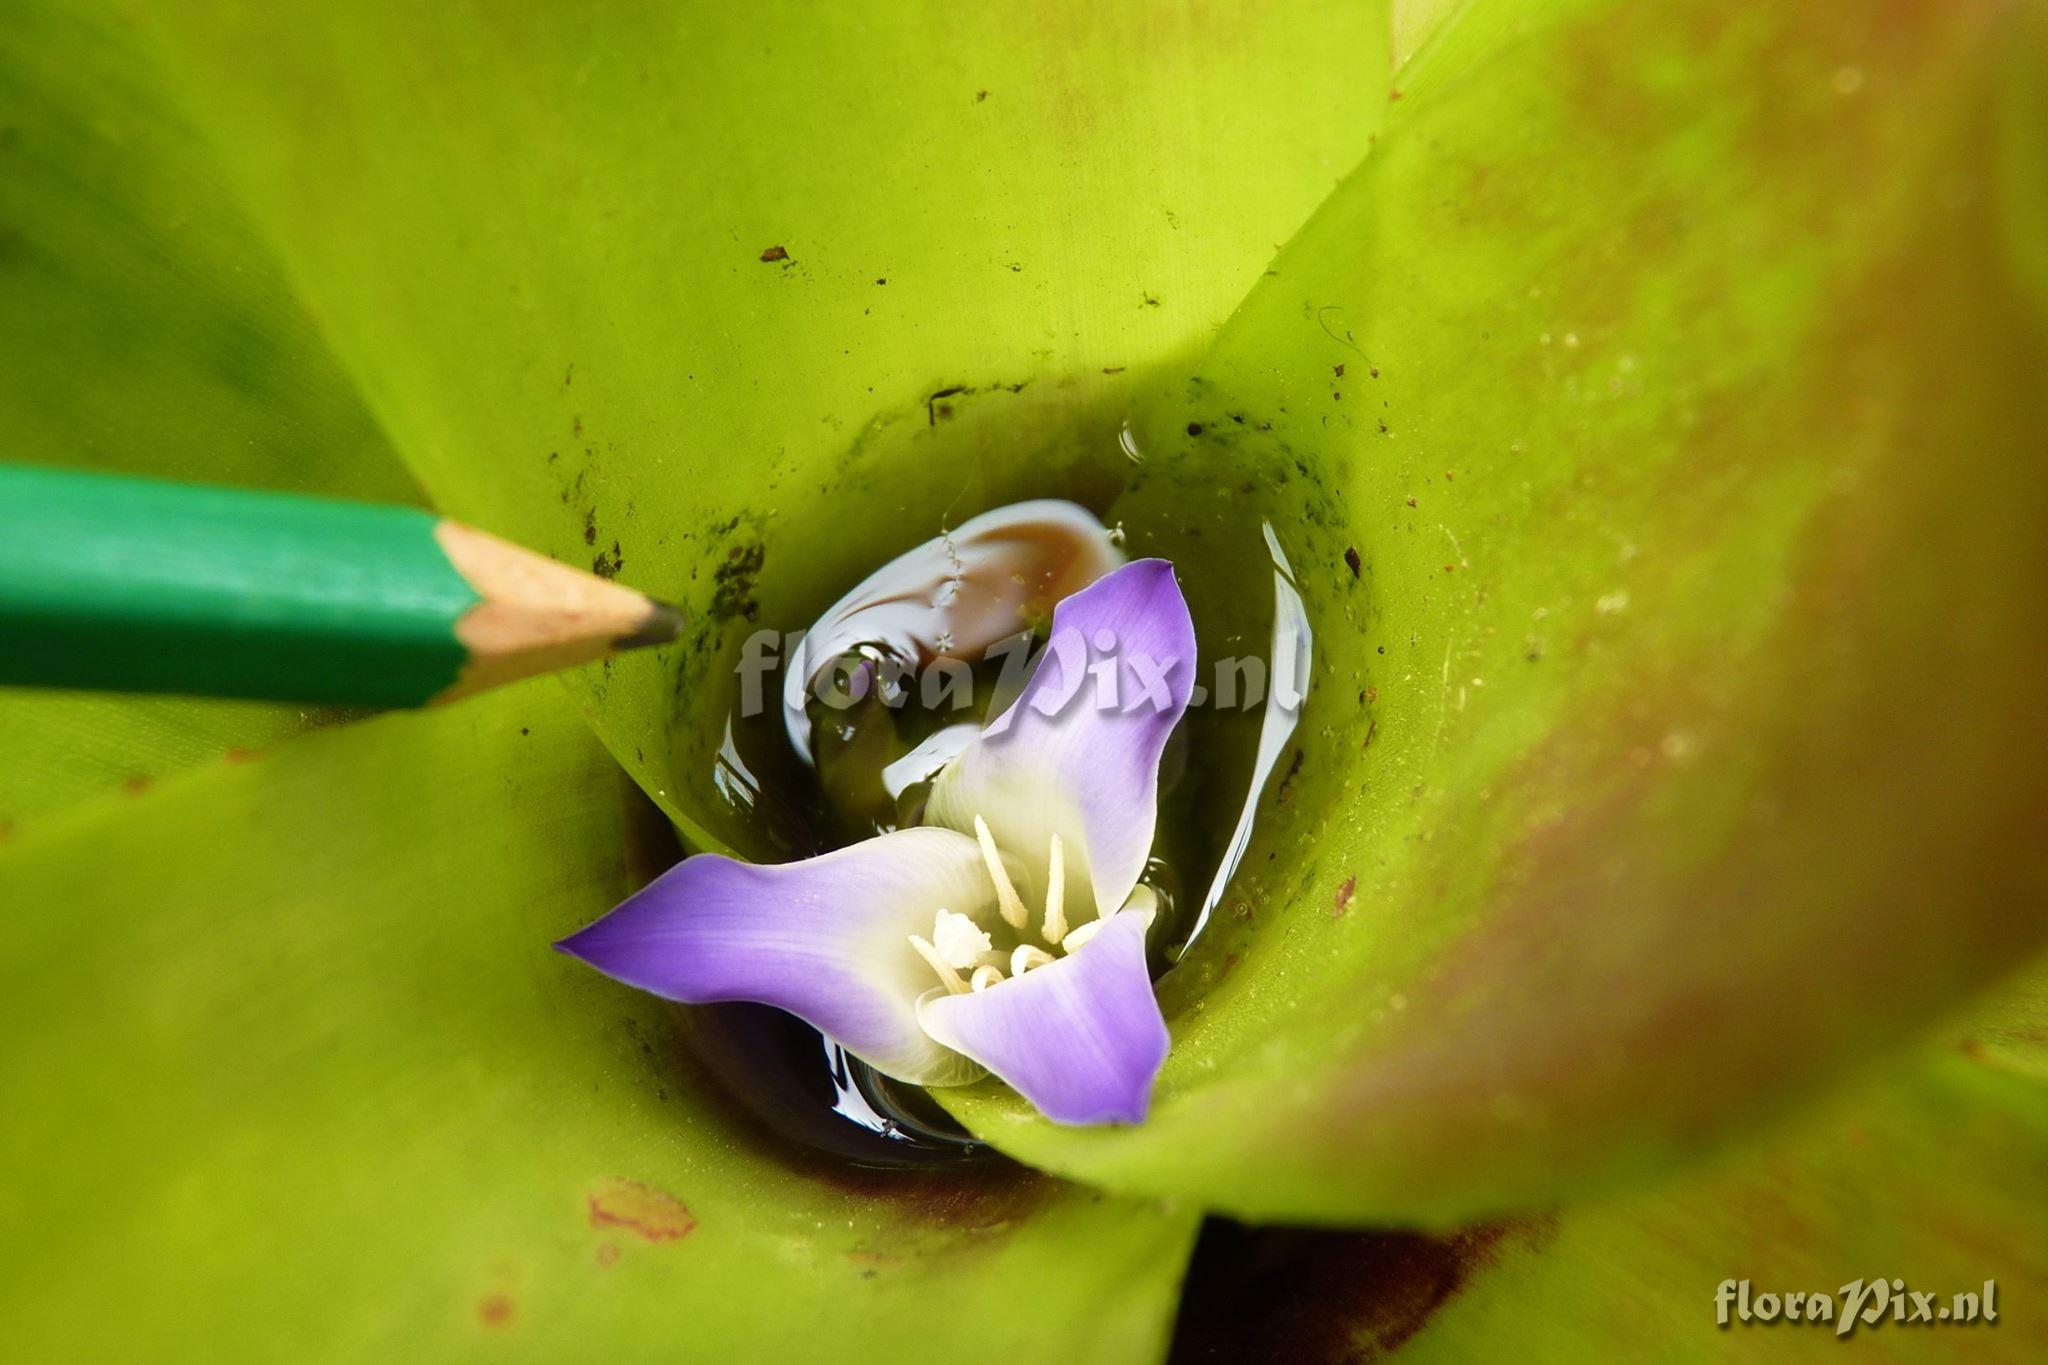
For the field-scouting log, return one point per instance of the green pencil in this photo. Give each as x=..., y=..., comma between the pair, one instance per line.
x=134, y=585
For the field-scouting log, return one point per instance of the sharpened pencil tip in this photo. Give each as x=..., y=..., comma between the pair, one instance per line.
x=663, y=624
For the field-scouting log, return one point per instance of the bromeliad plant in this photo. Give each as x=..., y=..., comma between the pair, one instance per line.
x=1646, y=396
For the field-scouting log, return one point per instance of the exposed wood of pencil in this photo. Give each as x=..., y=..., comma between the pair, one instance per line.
x=537, y=615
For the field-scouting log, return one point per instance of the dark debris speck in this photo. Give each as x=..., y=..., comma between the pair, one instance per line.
x=734, y=595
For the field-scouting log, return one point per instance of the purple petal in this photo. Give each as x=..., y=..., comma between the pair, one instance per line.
x=826, y=939
x=1061, y=761
x=1081, y=1038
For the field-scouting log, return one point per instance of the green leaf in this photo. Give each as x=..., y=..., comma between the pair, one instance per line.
x=144, y=329
x=1929, y=1172
x=1415, y=22
x=291, y=1071
x=1935, y=1179
x=561, y=302
x=1675, y=739
x=64, y=748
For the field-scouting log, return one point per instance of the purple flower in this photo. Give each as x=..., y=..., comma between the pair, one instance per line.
x=1008, y=932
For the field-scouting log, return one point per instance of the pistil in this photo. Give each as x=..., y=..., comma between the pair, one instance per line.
x=960, y=941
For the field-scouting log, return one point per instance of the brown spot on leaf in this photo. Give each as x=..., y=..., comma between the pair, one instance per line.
x=652, y=1214
x=1352, y=561
x=494, y=1310
x=607, y=1253
x=135, y=785
x=775, y=253
x=1286, y=792
x=934, y=409
x=1344, y=894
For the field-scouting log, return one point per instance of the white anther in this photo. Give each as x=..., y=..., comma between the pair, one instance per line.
x=1078, y=939
x=984, y=977
x=1007, y=899
x=1056, y=893
x=951, y=979
x=959, y=940
x=1026, y=957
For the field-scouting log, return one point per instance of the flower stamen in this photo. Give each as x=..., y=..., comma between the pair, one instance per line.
x=1056, y=894
x=1026, y=957
x=984, y=977
x=1078, y=938
x=950, y=978
x=1007, y=899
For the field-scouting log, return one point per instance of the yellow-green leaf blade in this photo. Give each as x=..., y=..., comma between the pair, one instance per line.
x=293, y=1071
x=1675, y=740
x=669, y=289
x=144, y=329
